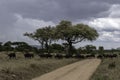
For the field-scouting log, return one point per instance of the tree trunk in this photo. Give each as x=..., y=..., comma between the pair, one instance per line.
x=42, y=44
x=70, y=47
x=47, y=47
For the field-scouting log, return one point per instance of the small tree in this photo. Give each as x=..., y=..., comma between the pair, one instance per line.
x=21, y=46
x=57, y=48
x=81, y=50
x=7, y=46
x=101, y=49
x=90, y=49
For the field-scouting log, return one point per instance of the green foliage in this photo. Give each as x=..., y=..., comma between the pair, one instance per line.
x=108, y=70
x=90, y=49
x=101, y=50
x=73, y=34
x=57, y=48
x=81, y=50
x=21, y=46
x=16, y=46
x=7, y=46
x=43, y=35
x=112, y=65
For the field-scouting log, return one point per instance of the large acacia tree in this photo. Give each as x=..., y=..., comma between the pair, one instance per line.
x=73, y=34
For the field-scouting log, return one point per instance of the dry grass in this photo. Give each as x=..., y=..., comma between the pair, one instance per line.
x=25, y=69
x=108, y=70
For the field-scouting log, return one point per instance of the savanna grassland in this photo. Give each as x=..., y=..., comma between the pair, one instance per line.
x=109, y=69
x=26, y=69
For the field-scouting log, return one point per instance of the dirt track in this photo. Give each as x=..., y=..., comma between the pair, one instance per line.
x=81, y=70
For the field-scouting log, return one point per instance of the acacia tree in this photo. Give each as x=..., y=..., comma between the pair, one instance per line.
x=43, y=35
x=37, y=35
x=73, y=34
x=48, y=36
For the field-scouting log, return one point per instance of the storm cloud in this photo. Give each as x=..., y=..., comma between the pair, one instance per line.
x=20, y=16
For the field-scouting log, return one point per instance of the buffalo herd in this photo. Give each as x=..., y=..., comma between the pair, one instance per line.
x=26, y=55
x=107, y=56
x=61, y=56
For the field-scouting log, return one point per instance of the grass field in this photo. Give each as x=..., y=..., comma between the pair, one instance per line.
x=109, y=69
x=25, y=69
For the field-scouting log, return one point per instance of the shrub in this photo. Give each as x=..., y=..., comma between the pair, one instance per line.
x=112, y=65
x=7, y=70
x=33, y=65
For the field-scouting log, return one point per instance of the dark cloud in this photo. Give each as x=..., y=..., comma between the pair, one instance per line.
x=57, y=9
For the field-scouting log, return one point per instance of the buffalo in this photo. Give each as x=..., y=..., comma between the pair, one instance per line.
x=107, y=56
x=12, y=55
x=68, y=56
x=59, y=56
x=45, y=55
x=90, y=56
x=79, y=56
x=28, y=55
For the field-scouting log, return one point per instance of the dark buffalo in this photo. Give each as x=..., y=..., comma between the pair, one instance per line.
x=79, y=56
x=45, y=55
x=59, y=56
x=12, y=55
x=90, y=56
x=28, y=55
x=110, y=55
x=68, y=56
x=100, y=56
x=107, y=56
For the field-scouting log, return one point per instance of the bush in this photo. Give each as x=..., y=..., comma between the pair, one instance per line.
x=112, y=65
x=7, y=70
x=33, y=65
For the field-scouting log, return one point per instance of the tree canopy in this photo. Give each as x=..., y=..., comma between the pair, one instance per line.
x=73, y=34
x=43, y=35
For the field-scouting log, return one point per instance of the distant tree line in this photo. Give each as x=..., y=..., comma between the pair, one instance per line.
x=54, y=48
x=16, y=46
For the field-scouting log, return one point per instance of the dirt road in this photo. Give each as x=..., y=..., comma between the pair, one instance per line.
x=81, y=70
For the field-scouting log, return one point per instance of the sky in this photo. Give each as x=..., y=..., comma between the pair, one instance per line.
x=20, y=16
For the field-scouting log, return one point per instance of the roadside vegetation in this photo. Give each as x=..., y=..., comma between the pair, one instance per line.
x=26, y=69
x=109, y=69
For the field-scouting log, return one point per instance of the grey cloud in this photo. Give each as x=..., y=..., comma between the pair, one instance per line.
x=57, y=9
x=110, y=30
